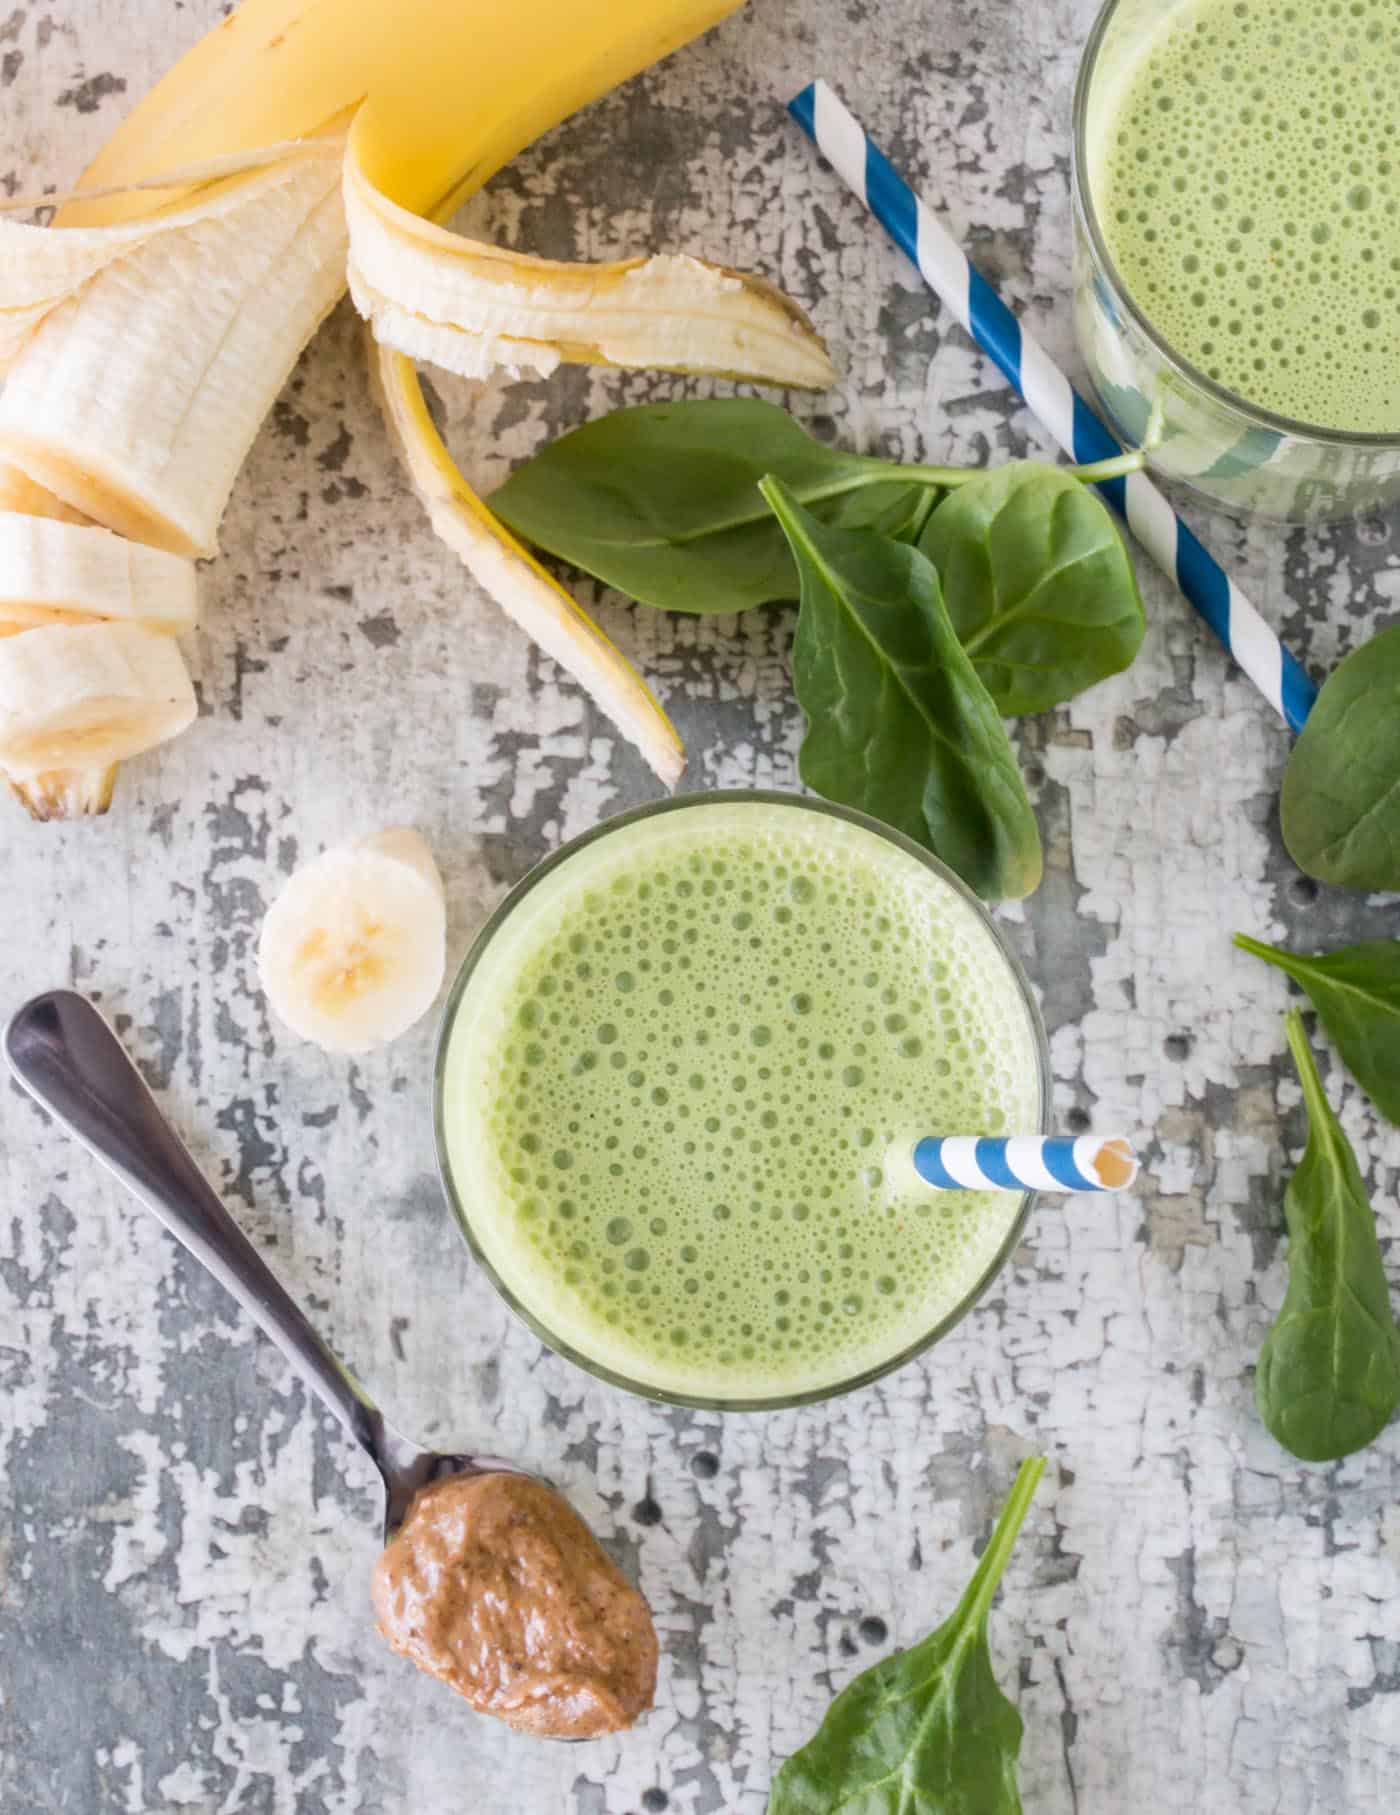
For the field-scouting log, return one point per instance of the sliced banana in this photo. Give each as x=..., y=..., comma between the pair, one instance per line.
x=136, y=399
x=75, y=700
x=353, y=950
x=54, y=572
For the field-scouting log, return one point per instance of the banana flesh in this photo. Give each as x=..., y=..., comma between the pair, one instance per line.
x=298, y=146
x=136, y=399
x=18, y=492
x=75, y=700
x=52, y=571
x=353, y=950
x=40, y=268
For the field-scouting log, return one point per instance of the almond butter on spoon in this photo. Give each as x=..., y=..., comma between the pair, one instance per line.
x=495, y=1585
x=488, y=1578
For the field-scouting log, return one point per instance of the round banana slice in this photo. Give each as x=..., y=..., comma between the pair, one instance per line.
x=78, y=697
x=353, y=950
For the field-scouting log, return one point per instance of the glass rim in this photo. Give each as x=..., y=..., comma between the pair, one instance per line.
x=1255, y=415
x=457, y=993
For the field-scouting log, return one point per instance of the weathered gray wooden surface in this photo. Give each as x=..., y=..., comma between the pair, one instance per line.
x=1192, y=1622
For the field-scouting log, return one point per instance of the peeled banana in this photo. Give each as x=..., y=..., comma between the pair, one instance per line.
x=137, y=397
x=352, y=952
x=301, y=144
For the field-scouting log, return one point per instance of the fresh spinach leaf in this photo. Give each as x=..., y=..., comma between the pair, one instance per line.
x=927, y=1731
x=898, y=723
x=1356, y=992
x=1329, y=1371
x=1341, y=789
x=662, y=500
x=1037, y=582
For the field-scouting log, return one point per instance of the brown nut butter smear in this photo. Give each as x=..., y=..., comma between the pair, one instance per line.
x=495, y=1584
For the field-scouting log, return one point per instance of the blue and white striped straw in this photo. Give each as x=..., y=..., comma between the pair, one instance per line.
x=1025, y=1162
x=945, y=268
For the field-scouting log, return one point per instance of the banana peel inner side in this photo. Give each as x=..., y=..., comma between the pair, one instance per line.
x=513, y=577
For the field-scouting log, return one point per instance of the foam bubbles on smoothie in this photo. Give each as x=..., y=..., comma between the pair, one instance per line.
x=1247, y=112
x=769, y=1008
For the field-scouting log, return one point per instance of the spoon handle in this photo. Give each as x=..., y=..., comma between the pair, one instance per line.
x=69, y=1060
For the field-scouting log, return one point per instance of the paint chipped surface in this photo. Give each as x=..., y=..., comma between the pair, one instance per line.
x=1191, y=1623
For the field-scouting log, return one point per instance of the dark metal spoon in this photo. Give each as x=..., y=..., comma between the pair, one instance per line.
x=69, y=1060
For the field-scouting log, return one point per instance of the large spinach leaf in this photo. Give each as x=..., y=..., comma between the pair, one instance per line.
x=1356, y=992
x=662, y=500
x=1341, y=789
x=927, y=1731
x=1037, y=582
x=898, y=723
x=1329, y=1371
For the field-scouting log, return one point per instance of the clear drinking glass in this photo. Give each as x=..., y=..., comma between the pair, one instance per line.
x=459, y=1190
x=1232, y=453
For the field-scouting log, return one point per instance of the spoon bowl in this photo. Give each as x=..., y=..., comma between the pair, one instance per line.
x=62, y=1051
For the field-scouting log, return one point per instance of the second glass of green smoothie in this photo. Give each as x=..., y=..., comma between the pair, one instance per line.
x=680, y=1079
x=1237, y=220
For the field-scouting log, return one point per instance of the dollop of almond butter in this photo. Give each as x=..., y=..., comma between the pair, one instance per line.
x=496, y=1586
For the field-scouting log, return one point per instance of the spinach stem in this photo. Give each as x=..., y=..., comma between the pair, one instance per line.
x=1132, y=460
x=977, y=1598
x=875, y=471
x=1321, y=1125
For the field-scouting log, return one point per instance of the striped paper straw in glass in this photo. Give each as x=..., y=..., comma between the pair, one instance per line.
x=945, y=268
x=1025, y=1162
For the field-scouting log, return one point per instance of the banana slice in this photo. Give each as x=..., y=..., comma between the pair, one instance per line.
x=353, y=950
x=75, y=700
x=55, y=572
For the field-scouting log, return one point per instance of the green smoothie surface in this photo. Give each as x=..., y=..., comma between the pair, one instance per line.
x=1248, y=189
x=682, y=1084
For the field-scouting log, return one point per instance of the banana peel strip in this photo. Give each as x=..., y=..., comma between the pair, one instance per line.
x=189, y=176
x=512, y=576
x=410, y=277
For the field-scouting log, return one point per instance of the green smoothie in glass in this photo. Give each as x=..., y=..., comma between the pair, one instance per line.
x=1249, y=195
x=680, y=1079
x=1237, y=245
